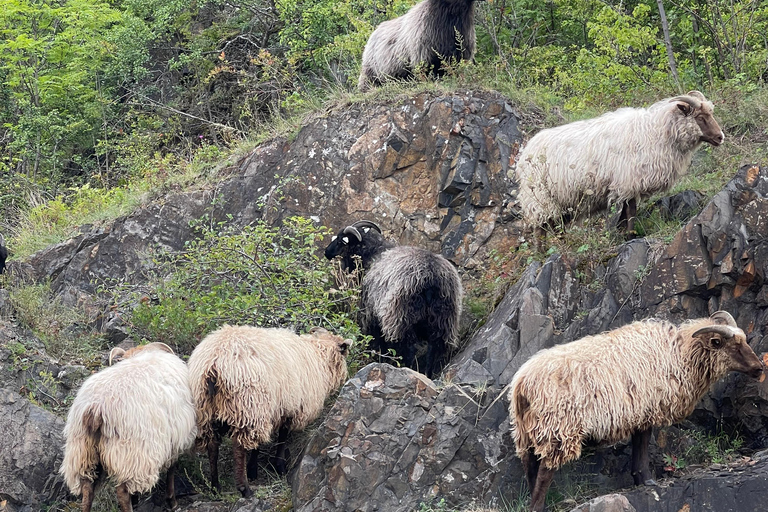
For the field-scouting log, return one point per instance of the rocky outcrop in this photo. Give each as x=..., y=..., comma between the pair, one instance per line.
x=30, y=453
x=431, y=170
x=394, y=440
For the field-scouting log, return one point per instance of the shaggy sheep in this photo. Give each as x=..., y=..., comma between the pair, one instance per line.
x=130, y=421
x=622, y=383
x=252, y=381
x=3, y=254
x=619, y=157
x=430, y=33
x=411, y=298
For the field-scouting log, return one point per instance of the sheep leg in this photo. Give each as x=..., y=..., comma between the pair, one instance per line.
x=170, y=487
x=627, y=217
x=640, y=460
x=87, y=487
x=124, y=498
x=531, y=465
x=539, y=494
x=213, y=461
x=241, y=479
x=281, y=444
x=252, y=470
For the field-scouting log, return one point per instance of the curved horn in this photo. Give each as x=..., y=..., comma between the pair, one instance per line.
x=162, y=346
x=723, y=318
x=115, y=353
x=693, y=101
x=366, y=224
x=352, y=230
x=696, y=94
x=723, y=330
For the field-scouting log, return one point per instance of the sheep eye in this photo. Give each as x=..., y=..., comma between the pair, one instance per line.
x=716, y=342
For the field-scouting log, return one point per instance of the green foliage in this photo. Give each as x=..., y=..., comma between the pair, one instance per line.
x=259, y=275
x=62, y=328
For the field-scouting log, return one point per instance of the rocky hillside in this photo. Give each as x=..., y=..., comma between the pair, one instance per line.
x=433, y=171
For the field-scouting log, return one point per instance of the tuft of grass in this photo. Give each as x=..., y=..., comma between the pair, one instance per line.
x=63, y=329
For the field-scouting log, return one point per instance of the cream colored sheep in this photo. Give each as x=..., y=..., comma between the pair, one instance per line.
x=617, y=158
x=253, y=381
x=615, y=385
x=132, y=421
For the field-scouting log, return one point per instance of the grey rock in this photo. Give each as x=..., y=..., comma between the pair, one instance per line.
x=30, y=452
x=607, y=503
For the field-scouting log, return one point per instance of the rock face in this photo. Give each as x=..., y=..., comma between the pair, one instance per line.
x=430, y=170
x=394, y=440
x=30, y=452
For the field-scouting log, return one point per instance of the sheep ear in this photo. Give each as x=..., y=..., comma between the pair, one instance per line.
x=344, y=346
x=316, y=331
x=115, y=355
x=685, y=108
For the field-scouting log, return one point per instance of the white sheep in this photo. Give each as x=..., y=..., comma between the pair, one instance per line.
x=431, y=32
x=617, y=158
x=253, y=381
x=132, y=421
x=622, y=383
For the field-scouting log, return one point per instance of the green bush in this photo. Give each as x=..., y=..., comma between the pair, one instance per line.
x=260, y=275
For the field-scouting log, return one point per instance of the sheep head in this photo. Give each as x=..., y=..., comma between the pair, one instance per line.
x=695, y=105
x=363, y=239
x=333, y=350
x=728, y=349
x=117, y=354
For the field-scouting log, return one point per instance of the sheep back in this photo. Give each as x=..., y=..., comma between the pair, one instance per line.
x=407, y=286
x=601, y=388
x=426, y=34
x=251, y=379
x=134, y=418
x=588, y=165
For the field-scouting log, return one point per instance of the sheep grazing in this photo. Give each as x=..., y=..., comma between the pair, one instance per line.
x=130, y=421
x=251, y=382
x=618, y=384
x=411, y=298
x=431, y=32
x=3, y=254
x=619, y=157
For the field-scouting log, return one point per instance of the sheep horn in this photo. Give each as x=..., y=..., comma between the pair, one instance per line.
x=696, y=94
x=723, y=318
x=352, y=230
x=366, y=224
x=115, y=353
x=162, y=346
x=723, y=330
x=693, y=101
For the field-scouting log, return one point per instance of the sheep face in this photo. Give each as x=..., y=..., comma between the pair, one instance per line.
x=695, y=106
x=727, y=348
x=362, y=239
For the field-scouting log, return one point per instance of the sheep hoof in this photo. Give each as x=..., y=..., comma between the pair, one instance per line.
x=650, y=482
x=172, y=503
x=245, y=491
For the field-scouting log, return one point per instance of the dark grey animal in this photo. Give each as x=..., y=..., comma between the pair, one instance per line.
x=431, y=32
x=411, y=298
x=3, y=254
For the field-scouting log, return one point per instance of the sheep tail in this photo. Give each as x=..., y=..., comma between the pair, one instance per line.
x=520, y=430
x=92, y=420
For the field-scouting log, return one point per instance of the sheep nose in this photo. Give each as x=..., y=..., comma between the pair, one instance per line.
x=720, y=137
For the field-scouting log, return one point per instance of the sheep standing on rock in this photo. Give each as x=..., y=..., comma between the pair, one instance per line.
x=619, y=157
x=131, y=420
x=252, y=381
x=622, y=383
x=411, y=298
x=431, y=32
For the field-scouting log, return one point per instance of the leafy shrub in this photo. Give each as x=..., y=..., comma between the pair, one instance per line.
x=260, y=275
